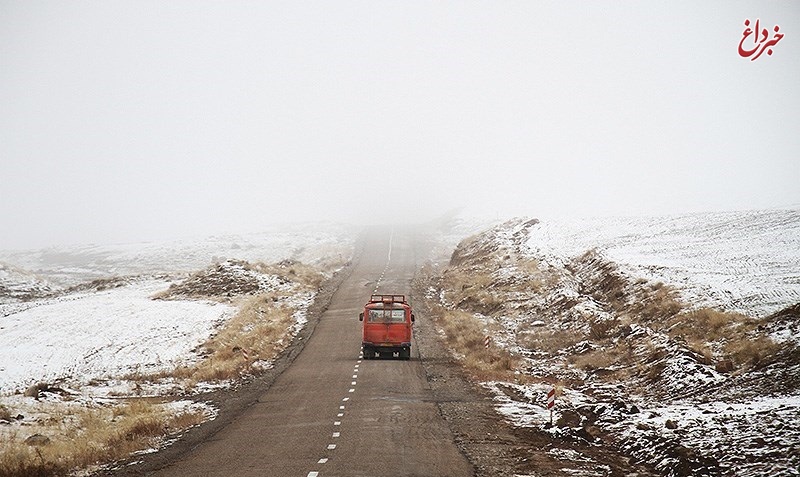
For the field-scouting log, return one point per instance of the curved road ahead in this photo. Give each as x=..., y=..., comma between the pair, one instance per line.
x=332, y=414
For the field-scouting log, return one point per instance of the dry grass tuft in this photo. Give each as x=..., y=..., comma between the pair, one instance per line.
x=550, y=341
x=470, y=289
x=708, y=324
x=102, y=435
x=465, y=335
x=594, y=360
x=733, y=334
x=655, y=304
x=260, y=327
x=751, y=352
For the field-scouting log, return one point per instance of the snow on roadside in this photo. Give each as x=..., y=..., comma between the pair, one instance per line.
x=103, y=335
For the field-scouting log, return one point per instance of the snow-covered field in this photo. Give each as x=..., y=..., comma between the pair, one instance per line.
x=103, y=335
x=741, y=261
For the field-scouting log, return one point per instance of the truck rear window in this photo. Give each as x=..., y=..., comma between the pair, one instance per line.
x=387, y=316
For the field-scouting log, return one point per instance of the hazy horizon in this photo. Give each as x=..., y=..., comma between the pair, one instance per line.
x=131, y=121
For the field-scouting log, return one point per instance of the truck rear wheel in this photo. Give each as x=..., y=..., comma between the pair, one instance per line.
x=405, y=353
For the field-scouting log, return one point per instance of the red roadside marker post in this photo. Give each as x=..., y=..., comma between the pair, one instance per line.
x=551, y=403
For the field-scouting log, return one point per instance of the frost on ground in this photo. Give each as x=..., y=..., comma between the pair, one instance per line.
x=88, y=365
x=673, y=340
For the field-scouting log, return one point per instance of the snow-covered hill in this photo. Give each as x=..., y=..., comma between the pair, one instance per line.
x=670, y=375
x=740, y=261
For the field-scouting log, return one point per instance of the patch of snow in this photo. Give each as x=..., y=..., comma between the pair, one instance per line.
x=103, y=335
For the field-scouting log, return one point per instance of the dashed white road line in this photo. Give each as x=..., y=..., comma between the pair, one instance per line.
x=335, y=435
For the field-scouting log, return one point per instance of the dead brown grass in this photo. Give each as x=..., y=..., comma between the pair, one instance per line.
x=655, y=303
x=465, y=335
x=594, y=360
x=751, y=352
x=550, y=341
x=261, y=327
x=470, y=289
x=600, y=330
x=733, y=334
x=86, y=437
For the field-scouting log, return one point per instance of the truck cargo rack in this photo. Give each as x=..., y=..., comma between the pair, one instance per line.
x=387, y=299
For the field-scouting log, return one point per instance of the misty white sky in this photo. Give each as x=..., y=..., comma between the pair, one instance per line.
x=127, y=121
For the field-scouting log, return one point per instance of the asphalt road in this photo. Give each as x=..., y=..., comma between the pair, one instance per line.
x=333, y=414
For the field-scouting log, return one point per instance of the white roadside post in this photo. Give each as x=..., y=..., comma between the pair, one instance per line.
x=486, y=341
x=551, y=403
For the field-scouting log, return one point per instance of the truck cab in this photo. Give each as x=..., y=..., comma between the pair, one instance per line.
x=387, y=327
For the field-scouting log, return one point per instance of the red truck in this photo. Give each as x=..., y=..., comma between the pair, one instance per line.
x=387, y=327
